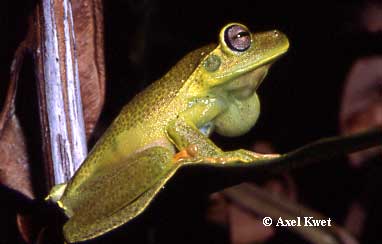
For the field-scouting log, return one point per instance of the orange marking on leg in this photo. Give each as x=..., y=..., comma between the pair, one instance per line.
x=188, y=152
x=181, y=155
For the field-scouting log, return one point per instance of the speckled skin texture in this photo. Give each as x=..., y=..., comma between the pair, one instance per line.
x=132, y=161
x=141, y=123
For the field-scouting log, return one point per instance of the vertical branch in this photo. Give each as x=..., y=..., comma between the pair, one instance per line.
x=77, y=129
x=64, y=141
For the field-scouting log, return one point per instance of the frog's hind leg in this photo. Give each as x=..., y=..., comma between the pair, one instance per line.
x=107, y=205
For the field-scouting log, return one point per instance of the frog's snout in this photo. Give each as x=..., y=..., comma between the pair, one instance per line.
x=281, y=39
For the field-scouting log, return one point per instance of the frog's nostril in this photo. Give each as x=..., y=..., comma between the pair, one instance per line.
x=276, y=33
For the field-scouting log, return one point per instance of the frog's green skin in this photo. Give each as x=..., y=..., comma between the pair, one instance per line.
x=212, y=88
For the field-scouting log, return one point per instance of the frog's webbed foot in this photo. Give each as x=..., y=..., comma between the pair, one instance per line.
x=56, y=192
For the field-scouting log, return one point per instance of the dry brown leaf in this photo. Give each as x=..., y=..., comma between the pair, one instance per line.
x=88, y=24
x=14, y=167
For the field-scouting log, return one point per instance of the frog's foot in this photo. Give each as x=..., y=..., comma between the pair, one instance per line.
x=56, y=192
x=68, y=211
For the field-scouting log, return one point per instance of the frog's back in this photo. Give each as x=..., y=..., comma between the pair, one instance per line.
x=145, y=105
x=150, y=109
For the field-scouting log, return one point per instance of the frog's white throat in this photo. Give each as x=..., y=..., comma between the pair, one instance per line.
x=246, y=84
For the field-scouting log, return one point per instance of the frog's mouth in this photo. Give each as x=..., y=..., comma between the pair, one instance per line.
x=247, y=83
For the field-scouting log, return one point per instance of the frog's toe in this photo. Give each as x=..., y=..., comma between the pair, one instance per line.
x=56, y=192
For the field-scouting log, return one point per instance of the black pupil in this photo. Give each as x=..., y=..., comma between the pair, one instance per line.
x=242, y=34
x=237, y=38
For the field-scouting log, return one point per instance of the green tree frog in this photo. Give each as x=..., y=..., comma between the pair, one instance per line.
x=167, y=126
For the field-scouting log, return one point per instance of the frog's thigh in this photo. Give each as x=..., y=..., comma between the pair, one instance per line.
x=88, y=223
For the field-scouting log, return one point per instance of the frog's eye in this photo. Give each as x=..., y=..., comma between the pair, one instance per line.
x=237, y=38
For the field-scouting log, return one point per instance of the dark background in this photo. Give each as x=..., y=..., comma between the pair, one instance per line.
x=300, y=97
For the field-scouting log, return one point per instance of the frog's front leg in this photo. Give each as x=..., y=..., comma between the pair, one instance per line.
x=185, y=134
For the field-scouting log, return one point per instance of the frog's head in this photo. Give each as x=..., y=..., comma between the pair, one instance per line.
x=242, y=58
x=235, y=69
